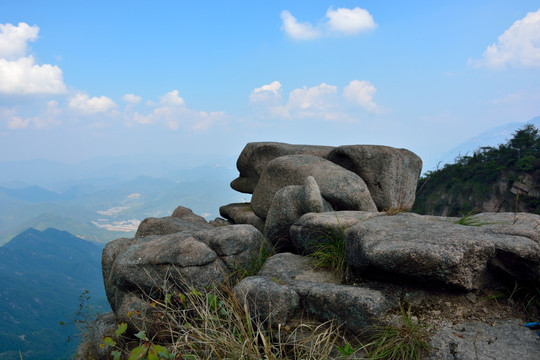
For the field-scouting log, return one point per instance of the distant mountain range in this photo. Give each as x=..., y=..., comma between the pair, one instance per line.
x=106, y=207
x=43, y=274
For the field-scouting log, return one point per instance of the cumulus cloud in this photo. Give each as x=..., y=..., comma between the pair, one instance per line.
x=48, y=117
x=269, y=93
x=350, y=21
x=340, y=21
x=172, y=99
x=518, y=46
x=14, y=39
x=132, y=99
x=173, y=114
x=23, y=76
x=361, y=93
x=90, y=105
x=322, y=101
x=19, y=73
x=296, y=30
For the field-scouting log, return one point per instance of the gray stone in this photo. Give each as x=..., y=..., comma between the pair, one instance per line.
x=236, y=245
x=520, y=224
x=242, y=213
x=287, y=268
x=288, y=205
x=390, y=174
x=343, y=189
x=500, y=339
x=438, y=251
x=168, y=225
x=313, y=229
x=256, y=155
x=267, y=300
x=353, y=307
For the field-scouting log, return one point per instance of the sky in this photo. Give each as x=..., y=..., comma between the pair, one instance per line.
x=113, y=78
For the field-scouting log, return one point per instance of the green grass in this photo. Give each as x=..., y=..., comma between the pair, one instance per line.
x=329, y=252
x=407, y=341
x=469, y=220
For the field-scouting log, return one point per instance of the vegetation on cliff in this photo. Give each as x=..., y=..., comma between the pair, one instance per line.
x=503, y=178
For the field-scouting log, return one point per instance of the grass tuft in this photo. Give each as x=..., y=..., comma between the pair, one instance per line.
x=329, y=252
x=409, y=340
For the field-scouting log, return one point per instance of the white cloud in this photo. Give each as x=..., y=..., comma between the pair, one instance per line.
x=317, y=102
x=172, y=99
x=361, y=93
x=23, y=76
x=87, y=105
x=341, y=21
x=518, y=46
x=270, y=93
x=296, y=30
x=16, y=123
x=14, y=39
x=132, y=99
x=315, y=98
x=20, y=74
x=173, y=114
x=350, y=21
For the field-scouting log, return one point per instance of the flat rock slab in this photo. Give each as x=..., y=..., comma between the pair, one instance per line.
x=520, y=224
x=438, y=251
x=241, y=213
x=503, y=339
x=287, y=267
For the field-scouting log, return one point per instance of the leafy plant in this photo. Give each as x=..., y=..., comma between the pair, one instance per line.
x=409, y=340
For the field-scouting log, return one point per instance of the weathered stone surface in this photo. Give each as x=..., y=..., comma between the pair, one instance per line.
x=236, y=245
x=390, y=174
x=288, y=205
x=168, y=225
x=411, y=245
x=520, y=224
x=287, y=268
x=343, y=189
x=321, y=295
x=312, y=228
x=256, y=155
x=146, y=262
x=354, y=307
x=502, y=339
x=242, y=213
x=267, y=300
x=187, y=215
x=104, y=325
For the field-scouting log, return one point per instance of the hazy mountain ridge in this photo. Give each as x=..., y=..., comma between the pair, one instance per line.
x=42, y=275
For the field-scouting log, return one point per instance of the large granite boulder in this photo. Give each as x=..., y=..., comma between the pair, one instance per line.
x=199, y=255
x=181, y=219
x=288, y=204
x=390, y=174
x=256, y=155
x=424, y=249
x=343, y=189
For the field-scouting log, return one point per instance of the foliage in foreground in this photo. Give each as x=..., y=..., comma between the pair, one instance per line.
x=329, y=251
x=214, y=325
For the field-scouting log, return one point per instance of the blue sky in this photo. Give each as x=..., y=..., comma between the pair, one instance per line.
x=85, y=79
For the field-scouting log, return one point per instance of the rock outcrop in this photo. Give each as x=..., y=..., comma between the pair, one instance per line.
x=308, y=196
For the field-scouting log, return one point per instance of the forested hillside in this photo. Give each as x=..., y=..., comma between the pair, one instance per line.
x=503, y=178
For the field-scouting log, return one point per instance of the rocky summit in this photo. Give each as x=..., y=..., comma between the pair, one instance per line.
x=449, y=274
